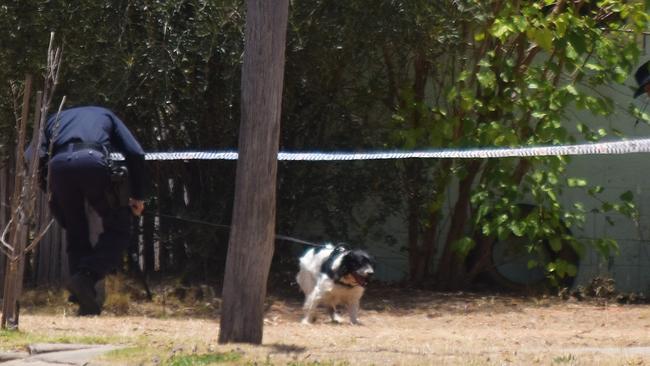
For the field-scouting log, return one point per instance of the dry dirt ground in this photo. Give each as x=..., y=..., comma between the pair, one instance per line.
x=400, y=327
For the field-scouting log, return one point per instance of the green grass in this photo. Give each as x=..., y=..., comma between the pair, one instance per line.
x=143, y=355
x=16, y=340
x=317, y=363
x=135, y=355
x=566, y=359
x=207, y=359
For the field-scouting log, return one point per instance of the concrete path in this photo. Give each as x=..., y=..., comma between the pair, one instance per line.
x=56, y=354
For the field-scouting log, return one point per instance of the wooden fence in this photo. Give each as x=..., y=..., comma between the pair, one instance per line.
x=162, y=245
x=47, y=265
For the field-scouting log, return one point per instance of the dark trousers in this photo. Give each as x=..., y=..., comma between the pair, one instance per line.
x=78, y=179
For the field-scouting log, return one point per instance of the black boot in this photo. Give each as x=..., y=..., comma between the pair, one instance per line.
x=82, y=287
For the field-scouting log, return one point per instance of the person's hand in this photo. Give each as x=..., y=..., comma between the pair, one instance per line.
x=137, y=206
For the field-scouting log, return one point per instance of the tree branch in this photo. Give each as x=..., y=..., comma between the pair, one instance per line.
x=4, y=235
x=38, y=238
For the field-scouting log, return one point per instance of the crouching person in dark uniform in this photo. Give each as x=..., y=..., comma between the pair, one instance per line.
x=81, y=177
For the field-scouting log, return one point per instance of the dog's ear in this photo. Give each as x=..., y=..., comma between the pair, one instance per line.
x=366, y=258
x=371, y=259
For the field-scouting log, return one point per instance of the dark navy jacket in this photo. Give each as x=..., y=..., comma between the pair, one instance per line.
x=96, y=125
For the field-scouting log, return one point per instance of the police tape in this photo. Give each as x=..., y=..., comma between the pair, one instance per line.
x=599, y=148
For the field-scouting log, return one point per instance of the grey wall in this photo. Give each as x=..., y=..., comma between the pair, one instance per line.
x=617, y=174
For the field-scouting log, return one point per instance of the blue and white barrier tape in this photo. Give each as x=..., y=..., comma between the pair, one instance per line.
x=601, y=148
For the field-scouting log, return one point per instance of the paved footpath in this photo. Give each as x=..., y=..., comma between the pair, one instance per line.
x=56, y=354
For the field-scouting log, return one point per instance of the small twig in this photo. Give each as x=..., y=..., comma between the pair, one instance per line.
x=7, y=253
x=3, y=239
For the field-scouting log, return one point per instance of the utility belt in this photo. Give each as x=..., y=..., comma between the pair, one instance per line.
x=77, y=146
x=118, y=190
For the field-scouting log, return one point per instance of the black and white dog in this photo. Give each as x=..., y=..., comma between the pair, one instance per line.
x=333, y=276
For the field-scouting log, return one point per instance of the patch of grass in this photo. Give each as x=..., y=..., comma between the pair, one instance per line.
x=567, y=359
x=129, y=356
x=206, y=359
x=318, y=363
x=125, y=353
x=83, y=339
x=15, y=339
x=8, y=338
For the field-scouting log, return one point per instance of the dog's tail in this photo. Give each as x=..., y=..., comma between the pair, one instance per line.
x=307, y=258
x=306, y=277
x=310, y=267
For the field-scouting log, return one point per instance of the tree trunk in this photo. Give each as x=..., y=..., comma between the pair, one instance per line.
x=421, y=240
x=413, y=185
x=450, y=274
x=18, y=229
x=4, y=202
x=253, y=226
x=422, y=252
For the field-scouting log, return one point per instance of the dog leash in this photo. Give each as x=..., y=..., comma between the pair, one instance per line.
x=277, y=236
x=222, y=226
x=304, y=242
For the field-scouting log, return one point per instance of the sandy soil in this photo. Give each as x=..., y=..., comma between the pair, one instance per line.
x=401, y=327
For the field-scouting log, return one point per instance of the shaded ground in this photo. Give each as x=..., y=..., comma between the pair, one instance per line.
x=400, y=327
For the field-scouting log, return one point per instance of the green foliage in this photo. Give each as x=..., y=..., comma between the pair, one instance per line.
x=511, y=81
x=360, y=75
x=463, y=246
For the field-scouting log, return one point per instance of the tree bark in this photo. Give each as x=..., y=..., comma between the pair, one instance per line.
x=253, y=226
x=421, y=240
x=450, y=274
x=18, y=229
x=4, y=190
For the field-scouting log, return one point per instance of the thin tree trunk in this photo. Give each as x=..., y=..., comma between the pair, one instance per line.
x=250, y=249
x=4, y=181
x=415, y=173
x=414, y=186
x=450, y=271
x=18, y=229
